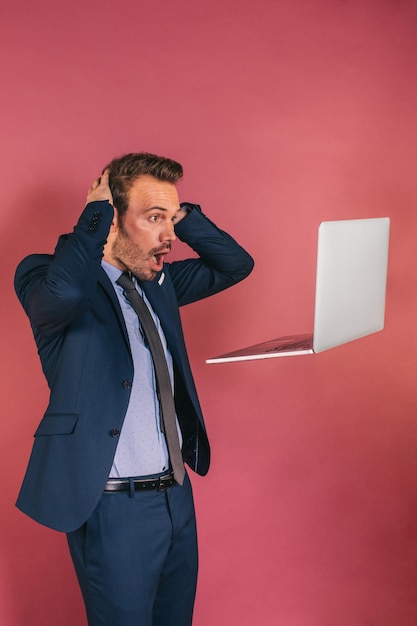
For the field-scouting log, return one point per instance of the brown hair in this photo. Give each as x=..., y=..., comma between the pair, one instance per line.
x=124, y=170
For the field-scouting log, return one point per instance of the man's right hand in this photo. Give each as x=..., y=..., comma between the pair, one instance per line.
x=100, y=189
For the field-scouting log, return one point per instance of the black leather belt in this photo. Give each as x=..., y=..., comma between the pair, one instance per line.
x=156, y=484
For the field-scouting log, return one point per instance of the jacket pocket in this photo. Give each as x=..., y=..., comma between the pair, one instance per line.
x=57, y=424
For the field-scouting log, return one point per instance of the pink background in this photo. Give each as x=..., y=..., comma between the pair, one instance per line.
x=283, y=114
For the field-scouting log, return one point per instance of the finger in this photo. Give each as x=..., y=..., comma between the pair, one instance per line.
x=93, y=187
x=105, y=177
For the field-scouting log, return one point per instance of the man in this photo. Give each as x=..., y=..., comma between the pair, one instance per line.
x=104, y=466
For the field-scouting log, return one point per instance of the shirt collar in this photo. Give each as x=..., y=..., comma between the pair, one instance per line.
x=112, y=271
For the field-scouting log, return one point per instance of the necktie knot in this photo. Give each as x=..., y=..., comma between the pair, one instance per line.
x=125, y=281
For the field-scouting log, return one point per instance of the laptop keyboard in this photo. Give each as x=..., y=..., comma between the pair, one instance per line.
x=306, y=343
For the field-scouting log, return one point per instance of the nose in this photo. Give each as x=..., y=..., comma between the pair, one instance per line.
x=168, y=232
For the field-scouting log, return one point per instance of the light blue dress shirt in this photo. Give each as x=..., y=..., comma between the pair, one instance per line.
x=142, y=448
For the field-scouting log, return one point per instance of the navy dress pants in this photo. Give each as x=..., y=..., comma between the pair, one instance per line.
x=136, y=558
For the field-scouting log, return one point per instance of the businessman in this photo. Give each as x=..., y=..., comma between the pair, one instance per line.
x=107, y=465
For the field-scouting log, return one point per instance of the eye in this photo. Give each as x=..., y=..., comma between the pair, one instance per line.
x=154, y=218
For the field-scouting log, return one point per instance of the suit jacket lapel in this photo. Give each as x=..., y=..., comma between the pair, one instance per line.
x=106, y=284
x=167, y=311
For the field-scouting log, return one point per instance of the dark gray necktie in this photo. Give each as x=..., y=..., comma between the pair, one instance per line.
x=163, y=381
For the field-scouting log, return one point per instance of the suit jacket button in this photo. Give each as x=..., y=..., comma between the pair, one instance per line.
x=126, y=384
x=115, y=432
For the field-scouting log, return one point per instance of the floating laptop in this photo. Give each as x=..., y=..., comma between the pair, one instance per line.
x=352, y=263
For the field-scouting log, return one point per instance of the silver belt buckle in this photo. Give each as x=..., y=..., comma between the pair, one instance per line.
x=164, y=482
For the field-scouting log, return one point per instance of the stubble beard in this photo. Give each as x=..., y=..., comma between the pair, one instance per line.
x=133, y=258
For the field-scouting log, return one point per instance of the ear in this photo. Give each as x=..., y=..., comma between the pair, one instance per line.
x=114, y=227
x=115, y=222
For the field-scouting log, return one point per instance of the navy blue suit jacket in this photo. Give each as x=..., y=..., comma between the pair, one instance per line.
x=84, y=350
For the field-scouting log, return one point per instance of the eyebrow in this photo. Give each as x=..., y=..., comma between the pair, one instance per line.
x=161, y=208
x=156, y=208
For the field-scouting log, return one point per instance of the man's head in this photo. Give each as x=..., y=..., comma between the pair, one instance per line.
x=125, y=170
x=146, y=208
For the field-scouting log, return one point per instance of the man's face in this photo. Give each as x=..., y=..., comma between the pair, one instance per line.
x=144, y=236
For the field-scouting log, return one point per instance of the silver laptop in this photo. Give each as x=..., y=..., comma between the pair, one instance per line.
x=352, y=263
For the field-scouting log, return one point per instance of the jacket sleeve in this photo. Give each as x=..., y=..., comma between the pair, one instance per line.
x=54, y=290
x=222, y=261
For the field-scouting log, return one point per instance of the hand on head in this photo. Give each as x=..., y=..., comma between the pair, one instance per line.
x=100, y=189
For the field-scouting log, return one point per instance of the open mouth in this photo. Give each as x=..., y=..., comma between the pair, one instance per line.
x=158, y=257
